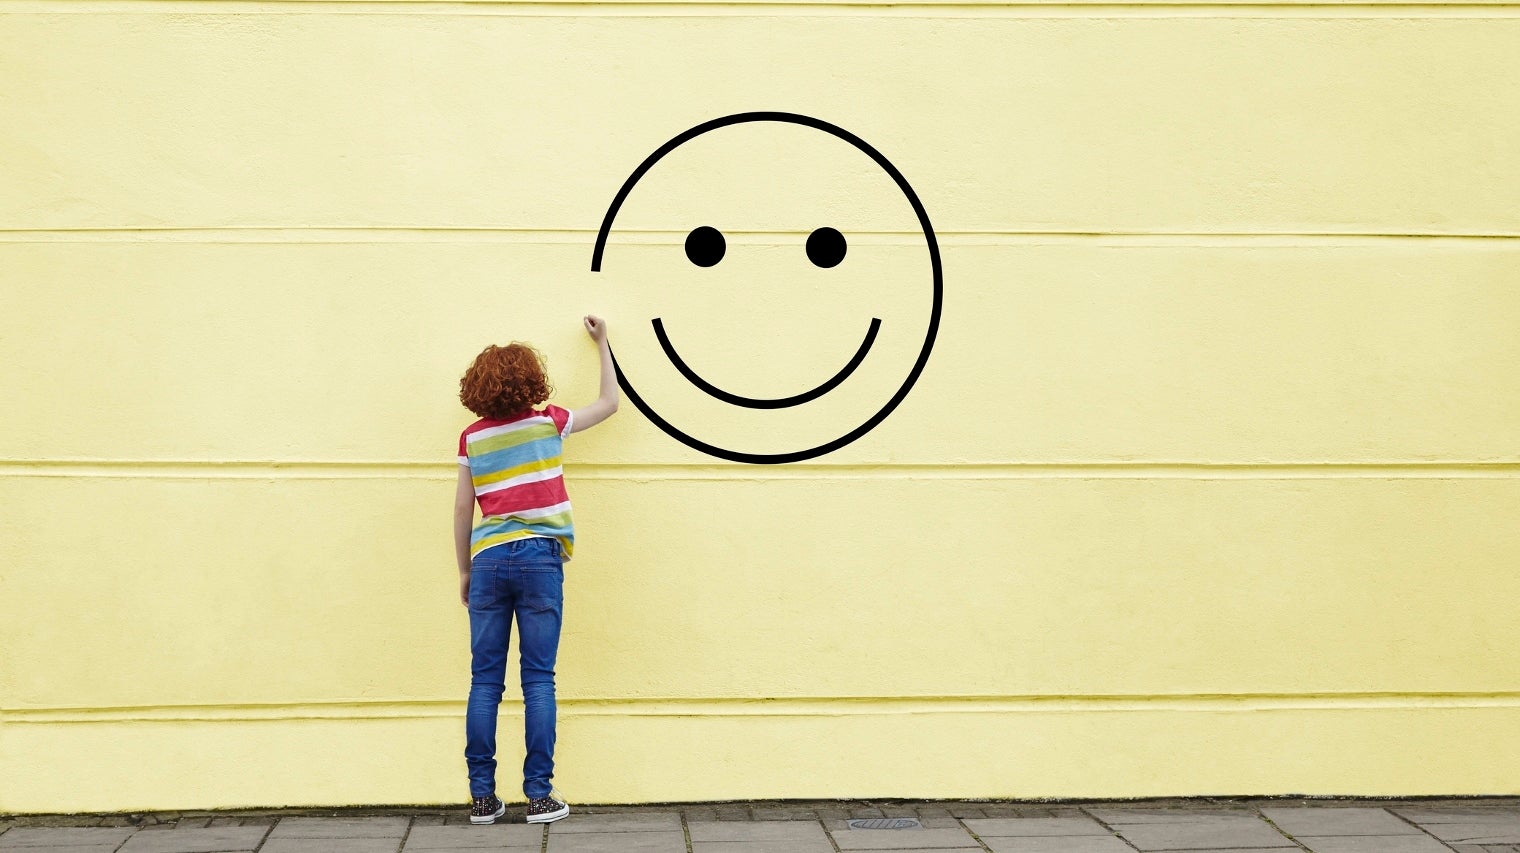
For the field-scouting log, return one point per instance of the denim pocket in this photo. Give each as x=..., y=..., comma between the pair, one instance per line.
x=480, y=583
x=539, y=604
x=543, y=587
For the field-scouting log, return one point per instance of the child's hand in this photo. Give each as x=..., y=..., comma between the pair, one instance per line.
x=464, y=588
x=596, y=327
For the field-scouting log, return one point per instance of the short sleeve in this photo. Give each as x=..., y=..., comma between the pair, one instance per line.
x=561, y=418
x=464, y=458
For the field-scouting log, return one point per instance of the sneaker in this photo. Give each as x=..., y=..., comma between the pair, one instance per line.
x=546, y=810
x=486, y=809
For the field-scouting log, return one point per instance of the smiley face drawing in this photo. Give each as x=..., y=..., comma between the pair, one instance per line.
x=826, y=249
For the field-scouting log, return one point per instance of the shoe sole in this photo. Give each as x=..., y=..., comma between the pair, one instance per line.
x=549, y=817
x=482, y=820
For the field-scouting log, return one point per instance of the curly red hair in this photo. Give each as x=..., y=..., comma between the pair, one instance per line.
x=505, y=382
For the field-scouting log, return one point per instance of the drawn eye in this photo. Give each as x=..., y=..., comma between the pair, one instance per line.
x=825, y=247
x=705, y=246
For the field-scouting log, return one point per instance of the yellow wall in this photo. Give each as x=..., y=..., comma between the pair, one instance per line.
x=1208, y=487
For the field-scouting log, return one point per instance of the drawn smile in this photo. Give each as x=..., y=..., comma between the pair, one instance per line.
x=759, y=402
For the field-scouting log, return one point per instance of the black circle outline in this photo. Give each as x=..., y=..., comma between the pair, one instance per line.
x=934, y=261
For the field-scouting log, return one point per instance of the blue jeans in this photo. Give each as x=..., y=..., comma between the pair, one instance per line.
x=525, y=577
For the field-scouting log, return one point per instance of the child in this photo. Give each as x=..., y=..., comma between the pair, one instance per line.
x=512, y=560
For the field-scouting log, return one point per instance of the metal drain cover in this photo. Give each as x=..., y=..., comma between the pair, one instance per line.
x=886, y=823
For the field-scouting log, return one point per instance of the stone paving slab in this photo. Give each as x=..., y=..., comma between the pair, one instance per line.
x=430, y=838
x=1059, y=844
x=843, y=825
x=818, y=845
x=650, y=822
x=757, y=830
x=1053, y=811
x=1201, y=833
x=1460, y=814
x=1475, y=833
x=210, y=840
x=462, y=818
x=109, y=847
x=902, y=839
x=1373, y=844
x=511, y=849
x=1338, y=821
x=775, y=830
x=1165, y=815
x=782, y=814
x=1243, y=850
x=340, y=827
x=71, y=848
x=941, y=850
x=996, y=827
x=655, y=841
x=331, y=845
x=32, y=836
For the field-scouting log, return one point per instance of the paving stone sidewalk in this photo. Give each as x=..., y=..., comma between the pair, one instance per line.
x=1194, y=825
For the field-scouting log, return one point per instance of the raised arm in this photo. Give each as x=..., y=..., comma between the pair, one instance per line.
x=602, y=408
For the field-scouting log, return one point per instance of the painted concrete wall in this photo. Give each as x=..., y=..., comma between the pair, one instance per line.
x=1208, y=486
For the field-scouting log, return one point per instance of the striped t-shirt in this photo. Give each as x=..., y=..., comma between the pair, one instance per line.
x=515, y=467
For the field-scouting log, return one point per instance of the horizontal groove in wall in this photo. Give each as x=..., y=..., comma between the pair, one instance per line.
x=779, y=707
x=334, y=470
x=772, y=8
x=549, y=236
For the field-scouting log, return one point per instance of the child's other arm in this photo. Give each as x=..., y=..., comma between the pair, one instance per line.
x=589, y=416
x=464, y=514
